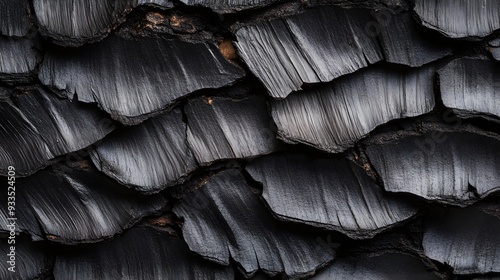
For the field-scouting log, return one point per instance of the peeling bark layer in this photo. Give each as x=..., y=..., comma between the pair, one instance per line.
x=224, y=220
x=74, y=206
x=333, y=117
x=133, y=78
x=221, y=128
x=39, y=127
x=460, y=18
x=139, y=253
x=331, y=193
x=449, y=167
x=287, y=52
x=471, y=87
x=73, y=23
x=147, y=157
x=466, y=239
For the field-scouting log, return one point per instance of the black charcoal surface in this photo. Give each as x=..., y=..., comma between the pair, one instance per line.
x=285, y=53
x=140, y=253
x=223, y=128
x=449, y=167
x=386, y=266
x=133, y=78
x=20, y=218
x=32, y=260
x=229, y=6
x=39, y=127
x=466, y=239
x=460, y=18
x=18, y=58
x=225, y=220
x=14, y=18
x=334, y=116
x=471, y=87
x=331, y=193
x=404, y=42
x=148, y=157
x=75, y=22
x=74, y=206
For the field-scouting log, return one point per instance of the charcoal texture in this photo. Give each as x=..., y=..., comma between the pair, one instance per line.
x=74, y=206
x=229, y=6
x=40, y=127
x=466, y=239
x=388, y=266
x=73, y=23
x=449, y=167
x=18, y=59
x=221, y=128
x=14, y=18
x=139, y=253
x=460, y=18
x=332, y=193
x=132, y=78
x=148, y=157
x=287, y=52
x=34, y=260
x=470, y=87
x=334, y=116
x=224, y=220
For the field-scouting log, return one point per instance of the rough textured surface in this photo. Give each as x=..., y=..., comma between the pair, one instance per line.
x=132, y=78
x=139, y=253
x=14, y=20
x=460, y=18
x=471, y=87
x=404, y=42
x=221, y=128
x=39, y=127
x=150, y=156
x=75, y=206
x=34, y=261
x=232, y=223
x=466, y=239
x=387, y=266
x=332, y=193
x=75, y=22
x=229, y=6
x=287, y=52
x=18, y=59
x=449, y=167
x=334, y=116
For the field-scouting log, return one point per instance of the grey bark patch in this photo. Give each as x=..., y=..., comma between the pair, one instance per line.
x=334, y=116
x=14, y=18
x=331, y=193
x=466, y=239
x=232, y=223
x=41, y=127
x=132, y=79
x=148, y=157
x=140, y=253
x=471, y=87
x=449, y=167
x=222, y=128
x=78, y=206
x=18, y=59
x=32, y=260
x=460, y=18
x=288, y=52
x=73, y=23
